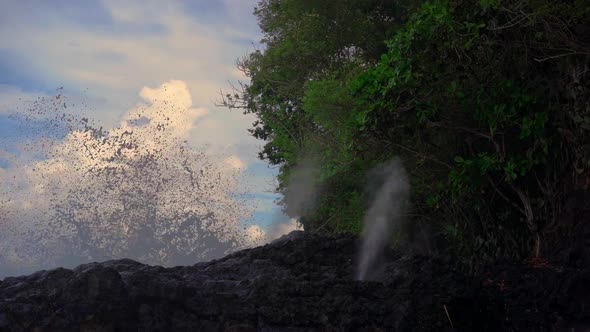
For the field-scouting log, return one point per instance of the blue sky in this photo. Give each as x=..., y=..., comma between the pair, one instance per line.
x=104, y=52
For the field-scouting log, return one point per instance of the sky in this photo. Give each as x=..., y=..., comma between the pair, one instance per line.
x=124, y=67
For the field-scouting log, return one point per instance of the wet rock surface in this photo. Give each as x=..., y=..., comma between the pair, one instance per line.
x=299, y=283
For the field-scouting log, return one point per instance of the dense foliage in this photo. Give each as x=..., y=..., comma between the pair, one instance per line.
x=487, y=103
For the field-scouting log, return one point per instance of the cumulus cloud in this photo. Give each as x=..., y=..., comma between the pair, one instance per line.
x=258, y=236
x=111, y=59
x=113, y=49
x=280, y=229
x=235, y=162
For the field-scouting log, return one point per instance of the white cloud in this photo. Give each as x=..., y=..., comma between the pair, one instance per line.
x=281, y=229
x=202, y=55
x=258, y=236
x=255, y=235
x=235, y=162
x=170, y=105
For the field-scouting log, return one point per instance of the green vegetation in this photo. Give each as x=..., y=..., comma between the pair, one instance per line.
x=487, y=103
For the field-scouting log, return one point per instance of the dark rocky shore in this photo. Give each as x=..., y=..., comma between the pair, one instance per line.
x=299, y=283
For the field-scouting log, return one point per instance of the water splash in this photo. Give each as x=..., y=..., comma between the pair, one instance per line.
x=385, y=214
x=74, y=192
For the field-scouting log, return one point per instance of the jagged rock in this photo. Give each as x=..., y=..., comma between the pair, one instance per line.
x=301, y=282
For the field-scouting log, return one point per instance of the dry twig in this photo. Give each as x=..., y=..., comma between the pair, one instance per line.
x=448, y=316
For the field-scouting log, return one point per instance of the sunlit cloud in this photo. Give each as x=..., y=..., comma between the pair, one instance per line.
x=235, y=162
x=280, y=229
x=109, y=60
x=258, y=236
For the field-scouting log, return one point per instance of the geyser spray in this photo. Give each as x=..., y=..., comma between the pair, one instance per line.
x=385, y=213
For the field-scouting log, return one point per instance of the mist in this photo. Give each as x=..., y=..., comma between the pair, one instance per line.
x=389, y=187
x=302, y=190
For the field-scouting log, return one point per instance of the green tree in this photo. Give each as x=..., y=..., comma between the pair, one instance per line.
x=486, y=102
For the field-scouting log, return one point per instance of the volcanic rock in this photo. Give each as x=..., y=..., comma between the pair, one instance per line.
x=300, y=282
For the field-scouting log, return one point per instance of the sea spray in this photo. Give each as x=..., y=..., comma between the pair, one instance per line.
x=384, y=215
x=72, y=192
